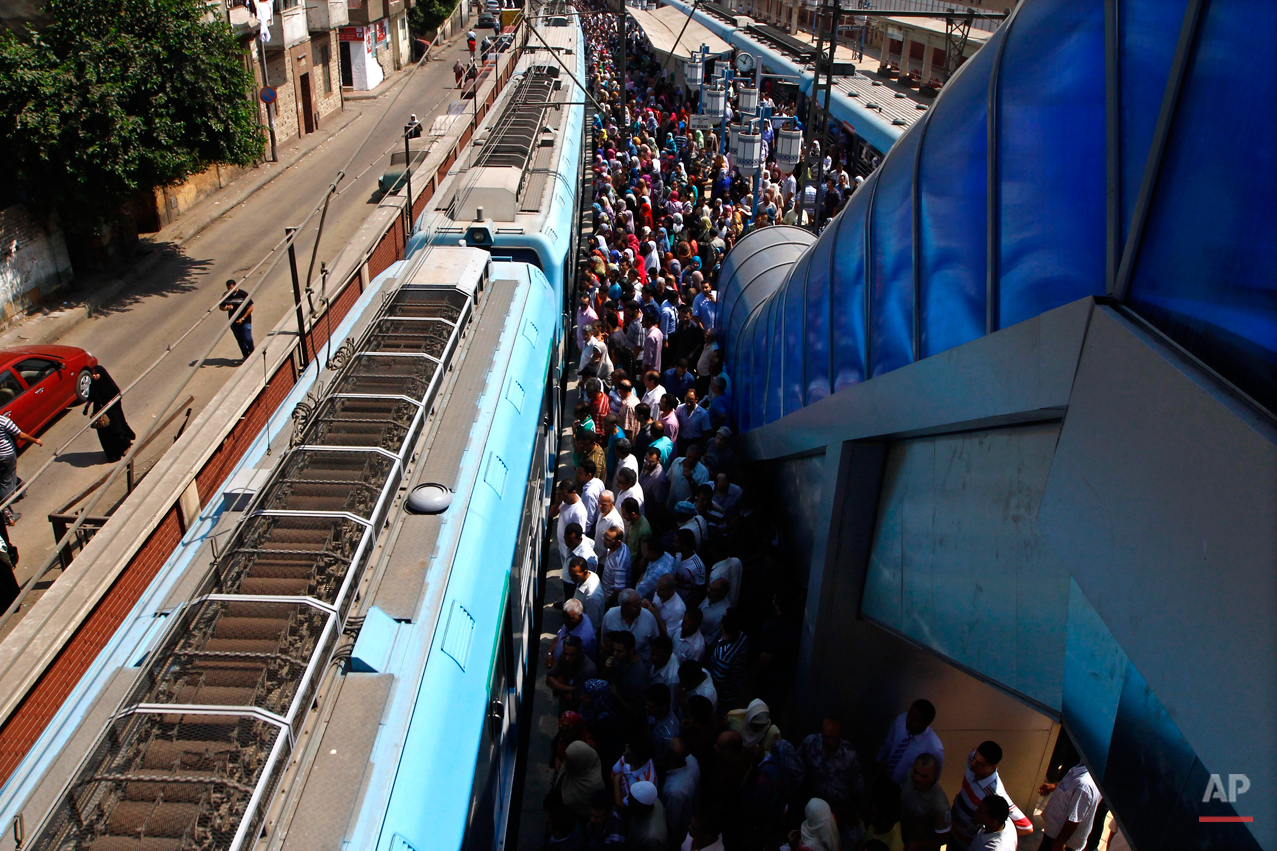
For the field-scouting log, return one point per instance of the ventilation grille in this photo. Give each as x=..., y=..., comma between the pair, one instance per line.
x=193, y=757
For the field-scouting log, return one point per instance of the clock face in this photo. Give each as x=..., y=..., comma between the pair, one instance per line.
x=745, y=63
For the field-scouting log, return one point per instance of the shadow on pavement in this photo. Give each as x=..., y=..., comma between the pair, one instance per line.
x=163, y=270
x=82, y=459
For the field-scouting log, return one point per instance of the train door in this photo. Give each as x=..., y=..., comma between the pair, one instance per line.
x=489, y=803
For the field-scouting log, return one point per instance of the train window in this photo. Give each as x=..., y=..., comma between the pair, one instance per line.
x=516, y=255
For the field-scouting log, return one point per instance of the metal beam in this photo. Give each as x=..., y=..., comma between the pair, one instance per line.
x=1153, y=165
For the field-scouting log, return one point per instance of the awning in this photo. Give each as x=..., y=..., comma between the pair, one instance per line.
x=662, y=27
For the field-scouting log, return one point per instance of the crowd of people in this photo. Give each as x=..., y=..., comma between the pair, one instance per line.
x=680, y=629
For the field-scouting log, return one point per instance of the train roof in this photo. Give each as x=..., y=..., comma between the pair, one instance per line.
x=219, y=712
x=508, y=172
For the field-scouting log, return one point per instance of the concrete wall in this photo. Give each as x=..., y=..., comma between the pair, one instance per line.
x=33, y=259
x=959, y=520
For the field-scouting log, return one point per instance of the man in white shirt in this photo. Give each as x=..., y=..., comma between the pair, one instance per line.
x=627, y=480
x=713, y=607
x=996, y=831
x=615, y=571
x=589, y=591
x=909, y=736
x=980, y=781
x=1070, y=811
x=667, y=605
x=625, y=460
x=590, y=487
x=664, y=662
x=609, y=518
x=694, y=679
x=684, y=474
x=655, y=392
x=630, y=616
x=689, y=644
x=571, y=512
x=731, y=570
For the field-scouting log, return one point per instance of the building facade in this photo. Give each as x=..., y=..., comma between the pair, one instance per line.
x=301, y=64
x=375, y=44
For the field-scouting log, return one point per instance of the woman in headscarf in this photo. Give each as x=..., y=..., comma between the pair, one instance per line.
x=644, y=218
x=572, y=728
x=754, y=723
x=819, y=831
x=580, y=777
x=108, y=421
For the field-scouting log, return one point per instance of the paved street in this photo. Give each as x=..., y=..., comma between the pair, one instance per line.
x=134, y=329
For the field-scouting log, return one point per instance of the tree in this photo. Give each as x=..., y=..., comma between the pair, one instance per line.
x=115, y=97
x=427, y=15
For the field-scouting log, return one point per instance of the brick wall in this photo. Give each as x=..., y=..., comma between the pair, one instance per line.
x=280, y=77
x=327, y=101
x=39, y=706
x=33, y=259
x=234, y=445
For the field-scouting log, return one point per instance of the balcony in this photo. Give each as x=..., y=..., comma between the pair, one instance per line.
x=243, y=23
x=288, y=28
x=324, y=15
x=364, y=12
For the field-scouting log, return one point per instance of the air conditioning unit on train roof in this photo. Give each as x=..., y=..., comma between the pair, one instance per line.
x=492, y=189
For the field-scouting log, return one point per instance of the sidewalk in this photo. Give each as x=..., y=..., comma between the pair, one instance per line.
x=90, y=292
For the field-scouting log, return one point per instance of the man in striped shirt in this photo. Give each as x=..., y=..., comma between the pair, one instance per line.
x=10, y=434
x=981, y=780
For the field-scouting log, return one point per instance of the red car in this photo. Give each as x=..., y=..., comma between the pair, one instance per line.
x=38, y=382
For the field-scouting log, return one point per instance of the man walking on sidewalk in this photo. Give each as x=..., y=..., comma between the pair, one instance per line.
x=241, y=326
x=10, y=434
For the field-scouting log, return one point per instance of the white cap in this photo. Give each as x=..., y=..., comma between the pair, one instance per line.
x=644, y=792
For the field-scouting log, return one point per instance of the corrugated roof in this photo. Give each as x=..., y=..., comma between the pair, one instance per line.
x=892, y=104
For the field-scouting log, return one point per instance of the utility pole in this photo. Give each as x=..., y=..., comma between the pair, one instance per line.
x=297, y=298
x=407, y=155
x=270, y=107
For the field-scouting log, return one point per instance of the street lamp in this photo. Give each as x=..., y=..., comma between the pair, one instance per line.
x=747, y=99
x=749, y=150
x=789, y=149
x=716, y=102
x=694, y=72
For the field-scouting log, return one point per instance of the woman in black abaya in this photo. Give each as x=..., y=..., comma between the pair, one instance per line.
x=115, y=435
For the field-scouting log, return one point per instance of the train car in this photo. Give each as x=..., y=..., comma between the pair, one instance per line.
x=515, y=191
x=349, y=670
x=877, y=131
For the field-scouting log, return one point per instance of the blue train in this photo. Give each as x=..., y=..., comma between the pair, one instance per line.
x=514, y=191
x=350, y=671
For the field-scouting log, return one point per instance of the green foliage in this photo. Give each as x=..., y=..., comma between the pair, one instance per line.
x=115, y=97
x=429, y=14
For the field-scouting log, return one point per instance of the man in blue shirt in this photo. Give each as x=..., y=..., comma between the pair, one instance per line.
x=720, y=404
x=678, y=379
x=704, y=306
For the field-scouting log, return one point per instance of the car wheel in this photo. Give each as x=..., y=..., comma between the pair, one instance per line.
x=82, y=382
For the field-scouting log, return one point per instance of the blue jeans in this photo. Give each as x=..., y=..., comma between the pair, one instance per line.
x=243, y=332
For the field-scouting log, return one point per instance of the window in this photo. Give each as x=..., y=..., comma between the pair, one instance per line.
x=35, y=370
x=322, y=57
x=10, y=389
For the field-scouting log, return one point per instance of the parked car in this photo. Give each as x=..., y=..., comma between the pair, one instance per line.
x=396, y=173
x=487, y=21
x=39, y=382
